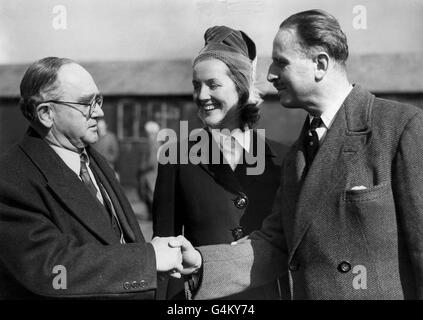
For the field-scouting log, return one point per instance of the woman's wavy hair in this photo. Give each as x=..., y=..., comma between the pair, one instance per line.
x=248, y=109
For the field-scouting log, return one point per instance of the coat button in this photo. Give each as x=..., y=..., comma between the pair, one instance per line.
x=127, y=285
x=344, y=267
x=241, y=201
x=238, y=233
x=294, y=267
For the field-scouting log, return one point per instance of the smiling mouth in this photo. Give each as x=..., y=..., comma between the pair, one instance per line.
x=208, y=107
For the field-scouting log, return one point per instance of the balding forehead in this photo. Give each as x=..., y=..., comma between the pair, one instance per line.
x=74, y=80
x=73, y=72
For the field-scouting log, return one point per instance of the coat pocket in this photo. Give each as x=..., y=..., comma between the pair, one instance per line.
x=379, y=191
x=374, y=211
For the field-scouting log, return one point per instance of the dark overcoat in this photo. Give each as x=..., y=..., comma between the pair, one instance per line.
x=56, y=239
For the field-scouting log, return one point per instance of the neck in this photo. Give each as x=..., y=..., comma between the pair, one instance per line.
x=331, y=95
x=56, y=141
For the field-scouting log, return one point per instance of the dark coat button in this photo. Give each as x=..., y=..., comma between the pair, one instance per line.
x=344, y=267
x=241, y=201
x=294, y=267
x=238, y=233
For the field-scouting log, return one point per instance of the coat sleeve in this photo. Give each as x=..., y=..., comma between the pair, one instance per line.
x=48, y=262
x=167, y=220
x=230, y=269
x=408, y=194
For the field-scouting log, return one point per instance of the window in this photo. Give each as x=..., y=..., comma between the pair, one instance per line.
x=133, y=114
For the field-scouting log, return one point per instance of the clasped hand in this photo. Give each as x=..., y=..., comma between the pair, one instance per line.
x=176, y=255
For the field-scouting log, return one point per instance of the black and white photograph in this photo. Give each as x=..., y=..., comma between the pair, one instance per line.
x=231, y=151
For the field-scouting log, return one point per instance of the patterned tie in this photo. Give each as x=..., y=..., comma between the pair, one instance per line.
x=85, y=176
x=102, y=197
x=312, y=140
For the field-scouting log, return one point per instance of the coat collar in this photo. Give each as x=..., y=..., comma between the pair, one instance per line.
x=122, y=206
x=345, y=140
x=222, y=173
x=64, y=183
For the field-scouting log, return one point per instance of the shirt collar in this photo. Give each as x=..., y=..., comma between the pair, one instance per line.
x=328, y=116
x=242, y=137
x=70, y=158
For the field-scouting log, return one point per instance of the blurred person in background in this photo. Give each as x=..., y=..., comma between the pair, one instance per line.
x=147, y=173
x=107, y=144
x=220, y=203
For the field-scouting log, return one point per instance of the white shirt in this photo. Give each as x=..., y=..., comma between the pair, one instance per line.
x=328, y=116
x=73, y=161
x=232, y=146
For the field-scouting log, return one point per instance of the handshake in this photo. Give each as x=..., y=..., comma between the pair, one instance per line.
x=176, y=255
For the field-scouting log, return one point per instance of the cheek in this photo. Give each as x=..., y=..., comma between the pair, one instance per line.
x=80, y=129
x=230, y=98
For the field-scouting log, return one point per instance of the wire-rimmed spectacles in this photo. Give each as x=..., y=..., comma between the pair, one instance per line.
x=97, y=101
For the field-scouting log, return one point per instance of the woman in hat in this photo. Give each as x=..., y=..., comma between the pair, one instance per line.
x=211, y=202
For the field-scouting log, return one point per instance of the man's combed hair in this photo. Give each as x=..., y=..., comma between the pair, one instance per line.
x=39, y=81
x=319, y=29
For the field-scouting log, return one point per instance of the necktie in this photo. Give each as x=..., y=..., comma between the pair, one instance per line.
x=312, y=140
x=85, y=176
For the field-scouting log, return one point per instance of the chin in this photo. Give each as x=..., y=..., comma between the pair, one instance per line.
x=288, y=103
x=212, y=122
x=91, y=139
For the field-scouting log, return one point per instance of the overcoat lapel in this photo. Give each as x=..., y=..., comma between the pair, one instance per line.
x=269, y=157
x=105, y=181
x=344, y=141
x=221, y=172
x=67, y=188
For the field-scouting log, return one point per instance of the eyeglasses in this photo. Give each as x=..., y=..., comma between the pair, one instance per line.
x=97, y=101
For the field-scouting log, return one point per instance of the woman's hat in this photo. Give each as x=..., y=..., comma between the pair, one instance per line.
x=223, y=38
x=236, y=49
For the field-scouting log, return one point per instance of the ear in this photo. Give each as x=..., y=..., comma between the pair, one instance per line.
x=45, y=114
x=321, y=61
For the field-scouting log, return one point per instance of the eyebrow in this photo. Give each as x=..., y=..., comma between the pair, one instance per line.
x=206, y=81
x=89, y=97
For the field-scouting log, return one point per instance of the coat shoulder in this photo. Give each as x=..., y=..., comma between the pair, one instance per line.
x=16, y=166
x=385, y=108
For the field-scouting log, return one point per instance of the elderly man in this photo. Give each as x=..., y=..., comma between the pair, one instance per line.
x=66, y=227
x=348, y=222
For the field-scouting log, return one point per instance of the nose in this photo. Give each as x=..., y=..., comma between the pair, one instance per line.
x=272, y=74
x=98, y=112
x=203, y=93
